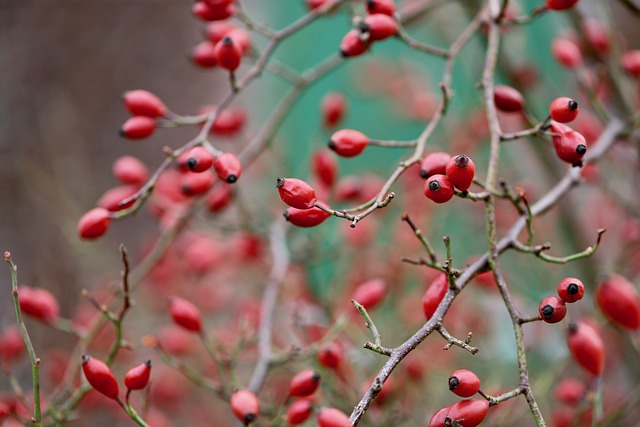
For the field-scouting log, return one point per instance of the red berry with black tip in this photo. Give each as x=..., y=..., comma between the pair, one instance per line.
x=137, y=377
x=353, y=45
x=296, y=193
x=619, y=301
x=245, y=406
x=438, y=188
x=631, y=62
x=570, y=145
x=464, y=383
x=508, y=99
x=570, y=289
x=331, y=355
x=331, y=417
x=438, y=419
x=379, y=26
x=468, y=412
x=552, y=309
x=144, y=103
x=306, y=218
x=434, y=164
x=587, y=347
x=386, y=7
x=299, y=412
x=460, y=170
x=227, y=167
x=304, y=383
x=228, y=54
x=99, y=375
x=563, y=109
x=94, y=223
x=138, y=127
x=348, y=142
x=185, y=314
x=198, y=159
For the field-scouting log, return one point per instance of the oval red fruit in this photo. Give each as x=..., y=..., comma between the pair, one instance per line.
x=130, y=170
x=563, y=109
x=566, y=52
x=438, y=188
x=110, y=199
x=333, y=108
x=219, y=198
x=325, y=167
x=561, y=4
x=570, y=145
x=94, y=223
x=138, y=127
x=296, y=193
x=204, y=55
x=570, y=289
x=185, y=314
x=508, y=99
x=386, y=7
x=228, y=54
x=331, y=355
x=371, y=293
x=352, y=44
x=208, y=12
x=469, y=412
x=587, y=347
x=304, y=383
x=137, y=377
x=348, y=142
x=434, y=164
x=228, y=167
x=198, y=159
x=331, y=417
x=570, y=391
x=631, y=62
x=460, y=170
x=436, y=291
x=552, y=309
x=306, y=218
x=438, y=419
x=619, y=301
x=38, y=303
x=100, y=376
x=245, y=406
x=379, y=26
x=464, y=383
x=143, y=103
x=299, y=411
x=195, y=184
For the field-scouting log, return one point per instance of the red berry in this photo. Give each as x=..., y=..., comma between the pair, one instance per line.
x=438, y=419
x=204, y=55
x=352, y=44
x=130, y=170
x=570, y=145
x=508, y=99
x=631, y=62
x=469, y=412
x=314, y=4
x=110, y=199
x=138, y=127
x=552, y=309
x=331, y=417
x=331, y=355
x=371, y=293
x=296, y=193
x=434, y=164
x=348, y=142
x=566, y=52
x=229, y=121
x=219, y=198
x=215, y=31
x=100, y=376
x=228, y=167
x=185, y=314
x=379, y=26
x=563, y=110
x=94, y=223
x=11, y=344
x=198, y=159
x=245, y=406
x=587, y=347
x=228, y=54
x=137, y=377
x=208, y=12
x=195, y=184
x=570, y=289
x=333, y=108
x=38, y=303
x=560, y=4
x=325, y=167
x=570, y=391
x=304, y=383
x=438, y=188
x=241, y=38
x=460, y=170
x=597, y=35
x=464, y=383
x=386, y=7
x=306, y=218
x=436, y=291
x=143, y=103
x=299, y=412
x=618, y=300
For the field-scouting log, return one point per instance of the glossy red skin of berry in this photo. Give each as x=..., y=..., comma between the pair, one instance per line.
x=586, y=347
x=438, y=188
x=464, y=383
x=138, y=127
x=241, y=38
x=304, y=383
x=331, y=355
x=198, y=159
x=110, y=199
x=371, y=293
x=215, y=31
x=508, y=99
x=143, y=103
x=229, y=121
x=204, y=55
x=299, y=412
x=460, y=170
x=352, y=44
x=100, y=376
x=570, y=289
x=207, y=12
x=631, y=62
x=570, y=391
x=306, y=218
x=561, y=4
x=380, y=26
x=436, y=291
x=228, y=54
x=219, y=198
x=437, y=420
x=130, y=170
x=185, y=314
x=563, y=109
x=566, y=52
x=552, y=309
x=94, y=223
x=386, y=7
x=195, y=184
x=618, y=300
x=331, y=417
x=228, y=167
x=137, y=377
x=296, y=193
x=570, y=145
x=469, y=412
x=348, y=142
x=325, y=167
x=245, y=406
x=38, y=303
x=333, y=108
x=434, y=164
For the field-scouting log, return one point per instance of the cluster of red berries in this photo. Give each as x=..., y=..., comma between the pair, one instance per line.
x=443, y=173
x=379, y=25
x=99, y=375
x=467, y=412
x=224, y=46
x=553, y=309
